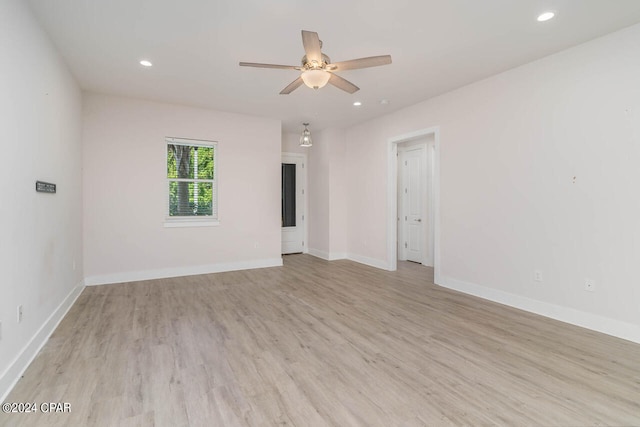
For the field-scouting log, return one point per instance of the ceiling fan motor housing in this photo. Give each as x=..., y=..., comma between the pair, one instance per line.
x=312, y=65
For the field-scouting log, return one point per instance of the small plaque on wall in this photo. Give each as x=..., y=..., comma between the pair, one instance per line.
x=45, y=187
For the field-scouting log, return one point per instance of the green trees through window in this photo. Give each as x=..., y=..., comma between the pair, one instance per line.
x=191, y=179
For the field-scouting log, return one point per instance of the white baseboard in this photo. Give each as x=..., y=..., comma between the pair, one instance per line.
x=163, y=273
x=372, y=262
x=616, y=328
x=327, y=255
x=319, y=254
x=22, y=361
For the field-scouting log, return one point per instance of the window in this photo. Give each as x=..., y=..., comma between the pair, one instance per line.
x=288, y=194
x=191, y=181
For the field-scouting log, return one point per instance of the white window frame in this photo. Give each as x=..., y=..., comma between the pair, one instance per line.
x=192, y=221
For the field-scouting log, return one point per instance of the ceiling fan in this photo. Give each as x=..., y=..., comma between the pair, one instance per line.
x=317, y=69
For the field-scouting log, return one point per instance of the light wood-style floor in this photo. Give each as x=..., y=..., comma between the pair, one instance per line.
x=318, y=343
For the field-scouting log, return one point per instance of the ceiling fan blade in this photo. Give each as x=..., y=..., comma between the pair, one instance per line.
x=282, y=67
x=343, y=84
x=292, y=86
x=371, y=61
x=311, y=43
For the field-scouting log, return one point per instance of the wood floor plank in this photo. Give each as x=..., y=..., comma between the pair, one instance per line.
x=317, y=343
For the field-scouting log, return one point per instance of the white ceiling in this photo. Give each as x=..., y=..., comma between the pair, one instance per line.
x=195, y=46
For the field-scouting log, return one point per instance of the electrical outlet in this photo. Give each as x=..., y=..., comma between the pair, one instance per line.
x=537, y=275
x=19, y=313
x=589, y=285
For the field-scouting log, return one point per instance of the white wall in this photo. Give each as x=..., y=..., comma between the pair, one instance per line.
x=319, y=196
x=366, y=153
x=511, y=146
x=338, y=193
x=125, y=184
x=327, y=195
x=40, y=118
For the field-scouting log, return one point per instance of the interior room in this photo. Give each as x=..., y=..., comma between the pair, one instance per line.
x=344, y=213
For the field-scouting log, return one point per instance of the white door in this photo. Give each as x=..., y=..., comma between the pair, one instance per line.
x=413, y=199
x=293, y=194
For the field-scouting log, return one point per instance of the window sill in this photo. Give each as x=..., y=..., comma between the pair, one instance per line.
x=191, y=223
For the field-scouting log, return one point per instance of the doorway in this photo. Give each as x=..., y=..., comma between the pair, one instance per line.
x=413, y=199
x=293, y=200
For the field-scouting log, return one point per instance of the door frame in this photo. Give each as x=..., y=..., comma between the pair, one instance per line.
x=392, y=196
x=303, y=176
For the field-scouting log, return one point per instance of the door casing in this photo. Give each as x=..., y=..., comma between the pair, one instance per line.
x=301, y=230
x=392, y=196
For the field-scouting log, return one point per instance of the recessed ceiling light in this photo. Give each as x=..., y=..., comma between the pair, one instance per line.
x=546, y=16
x=357, y=104
x=146, y=63
x=384, y=102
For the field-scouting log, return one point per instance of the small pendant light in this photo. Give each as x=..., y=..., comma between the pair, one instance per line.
x=305, y=139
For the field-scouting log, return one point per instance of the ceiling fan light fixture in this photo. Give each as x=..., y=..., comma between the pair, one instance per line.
x=305, y=139
x=315, y=79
